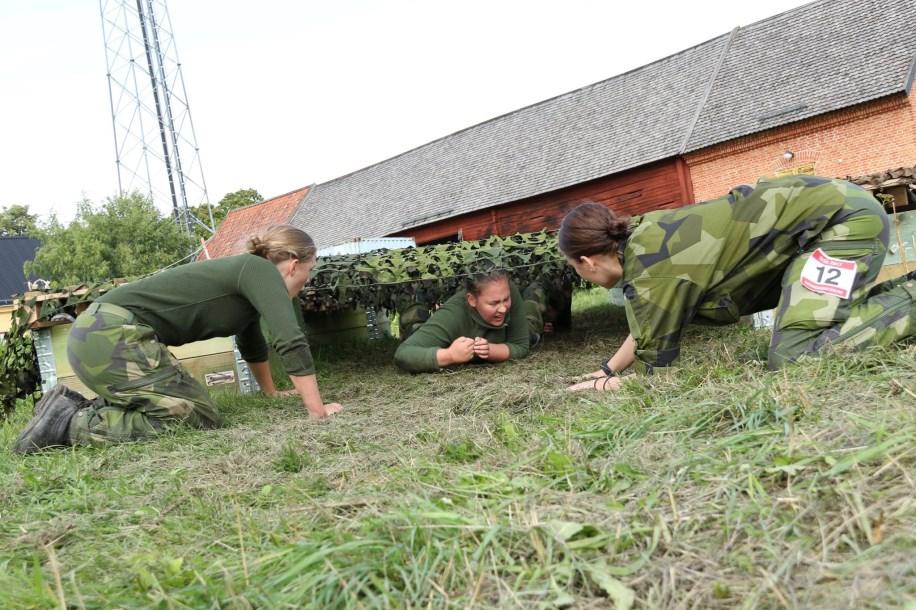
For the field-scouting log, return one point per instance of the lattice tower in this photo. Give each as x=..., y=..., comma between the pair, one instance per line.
x=156, y=148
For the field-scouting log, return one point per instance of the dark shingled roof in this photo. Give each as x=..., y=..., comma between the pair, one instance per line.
x=826, y=55
x=566, y=140
x=14, y=252
x=813, y=59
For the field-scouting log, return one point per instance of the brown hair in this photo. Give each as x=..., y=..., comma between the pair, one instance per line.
x=591, y=229
x=283, y=242
x=475, y=282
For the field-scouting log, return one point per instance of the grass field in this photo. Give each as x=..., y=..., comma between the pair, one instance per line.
x=724, y=486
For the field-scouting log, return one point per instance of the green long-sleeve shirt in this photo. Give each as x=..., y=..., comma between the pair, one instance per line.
x=724, y=258
x=458, y=319
x=220, y=298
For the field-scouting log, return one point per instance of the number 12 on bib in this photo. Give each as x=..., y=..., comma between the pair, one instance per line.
x=824, y=274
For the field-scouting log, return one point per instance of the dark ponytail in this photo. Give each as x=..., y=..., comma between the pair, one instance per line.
x=590, y=229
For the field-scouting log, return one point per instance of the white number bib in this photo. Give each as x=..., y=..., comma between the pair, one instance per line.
x=827, y=275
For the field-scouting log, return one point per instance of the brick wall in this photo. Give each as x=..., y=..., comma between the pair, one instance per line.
x=867, y=138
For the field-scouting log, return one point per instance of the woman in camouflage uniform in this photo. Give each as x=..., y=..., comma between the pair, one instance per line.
x=810, y=247
x=118, y=347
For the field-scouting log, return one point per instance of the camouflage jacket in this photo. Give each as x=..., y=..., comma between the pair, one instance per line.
x=721, y=259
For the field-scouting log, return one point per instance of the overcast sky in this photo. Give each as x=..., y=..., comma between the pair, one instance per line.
x=285, y=93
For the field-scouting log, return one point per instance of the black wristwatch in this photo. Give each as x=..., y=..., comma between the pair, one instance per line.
x=605, y=366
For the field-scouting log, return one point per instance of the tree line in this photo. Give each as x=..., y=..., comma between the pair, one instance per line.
x=125, y=236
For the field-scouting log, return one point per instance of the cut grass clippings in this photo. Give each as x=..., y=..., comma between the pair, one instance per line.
x=721, y=486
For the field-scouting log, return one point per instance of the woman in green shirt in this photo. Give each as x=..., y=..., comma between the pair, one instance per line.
x=485, y=322
x=118, y=347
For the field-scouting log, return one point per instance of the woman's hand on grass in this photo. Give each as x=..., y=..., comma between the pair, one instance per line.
x=327, y=410
x=596, y=384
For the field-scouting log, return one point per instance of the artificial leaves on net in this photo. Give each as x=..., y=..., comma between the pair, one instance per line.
x=382, y=279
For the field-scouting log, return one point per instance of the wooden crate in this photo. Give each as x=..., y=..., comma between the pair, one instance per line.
x=212, y=362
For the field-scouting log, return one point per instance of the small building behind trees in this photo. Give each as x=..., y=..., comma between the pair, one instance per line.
x=15, y=251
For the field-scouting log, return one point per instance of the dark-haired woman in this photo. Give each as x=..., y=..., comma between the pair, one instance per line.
x=486, y=322
x=810, y=247
x=118, y=347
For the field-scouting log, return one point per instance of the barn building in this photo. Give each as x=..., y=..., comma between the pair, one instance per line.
x=824, y=88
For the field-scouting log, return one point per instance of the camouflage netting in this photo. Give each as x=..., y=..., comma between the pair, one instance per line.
x=390, y=279
x=905, y=175
x=381, y=278
x=19, y=376
x=384, y=279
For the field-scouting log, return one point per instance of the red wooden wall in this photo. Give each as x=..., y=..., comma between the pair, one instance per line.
x=664, y=184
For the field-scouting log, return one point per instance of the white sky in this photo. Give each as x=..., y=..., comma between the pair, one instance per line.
x=284, y=93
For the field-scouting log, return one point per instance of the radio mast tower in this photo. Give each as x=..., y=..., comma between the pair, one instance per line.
x=156, y=149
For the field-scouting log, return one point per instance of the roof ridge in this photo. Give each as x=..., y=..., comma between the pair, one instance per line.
x=709, y=86
x=527, y=107
x=301, y=202
x=805, y=6
x=908, y=80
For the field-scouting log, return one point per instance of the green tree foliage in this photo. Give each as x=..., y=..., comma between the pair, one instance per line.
x=229, y=202
x=16, y=220
x=19, y=376
x=124, y=237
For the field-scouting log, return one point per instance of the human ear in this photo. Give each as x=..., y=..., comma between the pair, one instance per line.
x=588, y=261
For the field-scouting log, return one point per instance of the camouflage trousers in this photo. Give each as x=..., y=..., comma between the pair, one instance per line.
x=805, y=322
x=142, y=389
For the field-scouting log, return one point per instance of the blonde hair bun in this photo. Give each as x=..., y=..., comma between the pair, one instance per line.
x=283, y=242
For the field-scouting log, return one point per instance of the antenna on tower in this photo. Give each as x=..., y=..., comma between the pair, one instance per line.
x=156, y=148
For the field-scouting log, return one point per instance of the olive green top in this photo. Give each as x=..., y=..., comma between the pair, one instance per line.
x=220, y=298
x=458, y=319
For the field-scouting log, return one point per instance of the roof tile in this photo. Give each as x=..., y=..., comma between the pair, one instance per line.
x=242, y=223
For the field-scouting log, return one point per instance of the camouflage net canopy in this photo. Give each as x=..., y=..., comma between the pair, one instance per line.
x=391, y=279
x=388, y=279
x=19, y=375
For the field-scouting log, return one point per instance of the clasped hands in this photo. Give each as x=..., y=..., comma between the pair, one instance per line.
x=463, y=349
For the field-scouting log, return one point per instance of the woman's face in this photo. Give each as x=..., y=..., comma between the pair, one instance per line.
x=601, y=269
x=493, y=302
x=296, y=274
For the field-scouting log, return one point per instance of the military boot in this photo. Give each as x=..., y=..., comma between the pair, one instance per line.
x=51, y=423
x=60, y=390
